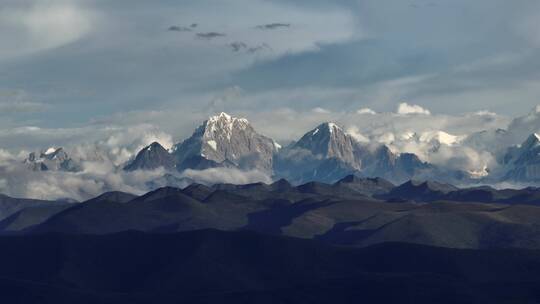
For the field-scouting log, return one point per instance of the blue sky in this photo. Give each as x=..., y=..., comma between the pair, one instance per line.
x=67, y=66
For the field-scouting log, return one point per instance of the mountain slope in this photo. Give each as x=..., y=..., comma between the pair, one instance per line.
x=152, y=157
x=523, y=162
x=10, y=205
x=30, y=216
x=160, y=208
x=329, y=141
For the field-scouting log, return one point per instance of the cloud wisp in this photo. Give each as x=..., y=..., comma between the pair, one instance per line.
x=177, y=28
x=210, y=35
x=273, y=26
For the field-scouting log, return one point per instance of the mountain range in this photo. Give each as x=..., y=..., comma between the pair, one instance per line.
x=326, y=153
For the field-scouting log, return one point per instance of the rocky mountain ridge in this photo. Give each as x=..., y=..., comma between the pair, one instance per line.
x=326, y=153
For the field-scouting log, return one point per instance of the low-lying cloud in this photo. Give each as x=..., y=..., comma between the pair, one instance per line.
x=226, y=175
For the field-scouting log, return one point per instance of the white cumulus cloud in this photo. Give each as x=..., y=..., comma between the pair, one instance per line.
x=406, y=109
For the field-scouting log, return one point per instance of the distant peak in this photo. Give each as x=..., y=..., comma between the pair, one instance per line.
x=51, y=150
x=224, y=115
x=225, y=121
x=532, y=141
x=415, y=183
x=349, y=179
x=330, y=126
x=220, y=117
x=282, y=182
x=154, y=145
x=431, y=185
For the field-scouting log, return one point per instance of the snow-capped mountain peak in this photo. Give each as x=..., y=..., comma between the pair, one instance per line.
x=532, y=141
x=325, y=128
x=441, y=137
x=330, y=141
x=225, y=122
x=333, y=127
x=54, y=159
x=223, y=138
x=51, y=150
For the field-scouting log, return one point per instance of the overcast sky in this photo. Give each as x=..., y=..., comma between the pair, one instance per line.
x=73, y=68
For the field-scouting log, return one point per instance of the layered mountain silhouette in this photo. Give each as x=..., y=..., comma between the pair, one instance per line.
x=344, y=242
x=354, y=211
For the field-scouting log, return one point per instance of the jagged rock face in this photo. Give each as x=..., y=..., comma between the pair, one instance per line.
x=379, y=160
x=152, y=157
x=330, y=141
x=324, y=154
x=226, y=139
x=52, y=159
x=523, y=162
